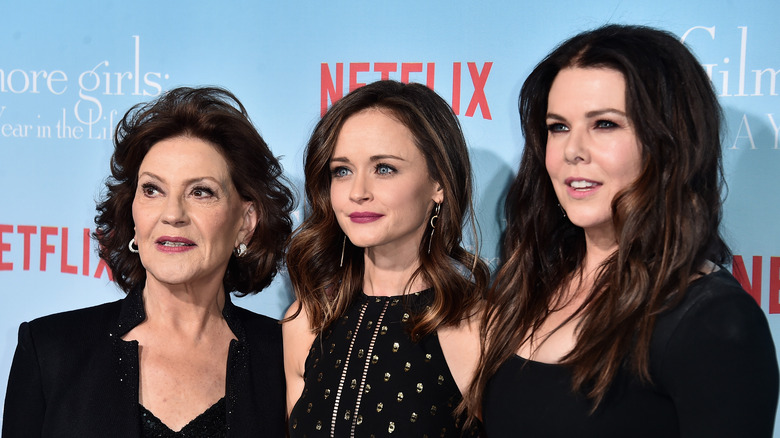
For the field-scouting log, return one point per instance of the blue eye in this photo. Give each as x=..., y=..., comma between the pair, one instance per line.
x=339, y=172
x=606, y=124
x=557, y=127
x=384, y=169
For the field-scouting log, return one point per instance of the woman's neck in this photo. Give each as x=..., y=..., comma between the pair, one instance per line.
x=599, y=246
x=184, y=309
x=388, y=274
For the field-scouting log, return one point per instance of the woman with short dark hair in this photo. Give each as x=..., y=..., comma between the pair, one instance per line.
x=196, y=208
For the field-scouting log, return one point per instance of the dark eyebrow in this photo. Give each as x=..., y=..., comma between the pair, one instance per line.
x=385, y=157
x=187, y=182
x=372, y=158
x=590, y=114
x=601, y=112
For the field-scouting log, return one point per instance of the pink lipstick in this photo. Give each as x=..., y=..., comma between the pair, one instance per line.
x=364, y=217
x=174, y=244
x=579, y=188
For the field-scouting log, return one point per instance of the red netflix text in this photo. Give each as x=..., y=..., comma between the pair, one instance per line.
x=332, y=81
x=752, y=282
x=46, y=242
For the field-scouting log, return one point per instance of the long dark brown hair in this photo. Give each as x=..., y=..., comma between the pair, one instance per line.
x=666, y=222
x=216, y=116
x=457, y=276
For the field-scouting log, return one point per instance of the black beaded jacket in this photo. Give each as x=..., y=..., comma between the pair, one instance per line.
x=73, y=376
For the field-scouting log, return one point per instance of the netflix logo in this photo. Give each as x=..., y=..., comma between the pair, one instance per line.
x=333, y=80
x=46, y=242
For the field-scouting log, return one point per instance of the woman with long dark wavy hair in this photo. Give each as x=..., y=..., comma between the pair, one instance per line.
x=612, y=314
x=380, y=340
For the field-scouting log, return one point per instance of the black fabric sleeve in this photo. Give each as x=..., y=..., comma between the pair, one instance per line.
x=720, y=368
x=25, y=405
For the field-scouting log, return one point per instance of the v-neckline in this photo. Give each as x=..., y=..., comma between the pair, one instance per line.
x=196, y=423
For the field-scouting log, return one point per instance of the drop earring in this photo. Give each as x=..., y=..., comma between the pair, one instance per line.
x=562, y=210
x=343, y=246
x=434, y=219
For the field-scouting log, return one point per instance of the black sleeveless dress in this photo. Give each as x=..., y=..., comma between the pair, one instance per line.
x=366, y=378
x=713, y=368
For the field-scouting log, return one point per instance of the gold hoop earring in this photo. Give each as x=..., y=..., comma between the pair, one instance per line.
x=434, y=219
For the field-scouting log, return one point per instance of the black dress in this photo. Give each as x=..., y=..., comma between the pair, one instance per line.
x=210, y=424
x=713, y=369
x=366, y=378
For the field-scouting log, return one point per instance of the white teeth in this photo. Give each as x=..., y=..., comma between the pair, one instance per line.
x=167, y=243
x=582, y=184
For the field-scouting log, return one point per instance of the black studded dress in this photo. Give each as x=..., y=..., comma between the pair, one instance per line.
x=366, y=378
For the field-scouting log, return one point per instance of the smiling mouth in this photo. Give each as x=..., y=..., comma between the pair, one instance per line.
x=168, y=243
x=174, y=242
x=582, y=185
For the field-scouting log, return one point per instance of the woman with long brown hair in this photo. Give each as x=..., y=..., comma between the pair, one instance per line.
x=380, y=340
x=612, y=314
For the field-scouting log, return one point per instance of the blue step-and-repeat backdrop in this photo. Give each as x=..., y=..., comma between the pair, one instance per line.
x=69, y=71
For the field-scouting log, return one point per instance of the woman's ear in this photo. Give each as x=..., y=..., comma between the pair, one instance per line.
x=248, y=223
x=438, y=196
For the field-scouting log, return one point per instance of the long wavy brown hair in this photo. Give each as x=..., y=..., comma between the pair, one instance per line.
x=214, y=115
x=666, y=223
x=458, y=277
